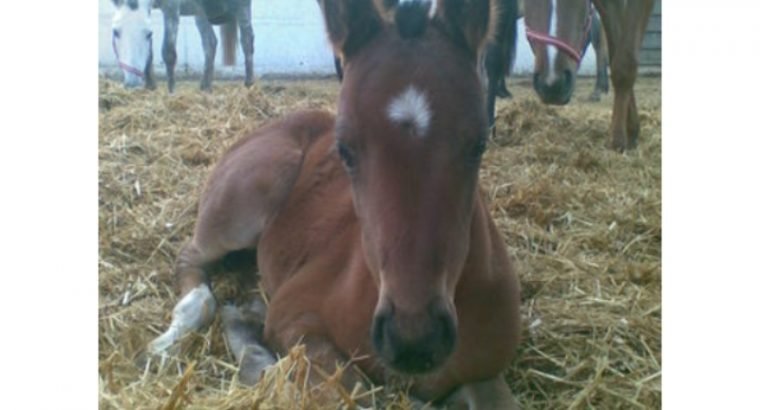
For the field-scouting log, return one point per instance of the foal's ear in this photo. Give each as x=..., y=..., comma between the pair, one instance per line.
x=470, y=23
x=350, y=23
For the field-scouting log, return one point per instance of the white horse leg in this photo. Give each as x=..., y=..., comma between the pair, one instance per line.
x=246, y=38
x=169, y=47
x=150, y=79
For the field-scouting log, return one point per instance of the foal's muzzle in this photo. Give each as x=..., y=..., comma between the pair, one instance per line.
x=415, y=342
x=558, y=92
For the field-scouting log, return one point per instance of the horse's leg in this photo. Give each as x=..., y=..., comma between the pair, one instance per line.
x=625, y=32
x=244, y=330
x=495, y=62
x=150, y=79
x=244, y=192
x=246, y=38
x=632, y=126
x=169, y=47
x=208, y=40
x=611, y=14
x=639, y=19
x=600, y=47
x=510, y=13
x=501, y=89
x=493, y=79
x=620, y=115
x=489, y=394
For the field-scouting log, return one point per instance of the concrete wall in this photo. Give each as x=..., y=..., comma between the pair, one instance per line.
x=289, y=39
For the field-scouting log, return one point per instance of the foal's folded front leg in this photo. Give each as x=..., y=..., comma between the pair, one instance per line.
x=244, y=192
x=244, y=331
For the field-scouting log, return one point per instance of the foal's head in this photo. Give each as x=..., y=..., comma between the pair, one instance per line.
x=132, y=39
x=557, y=31
x=411, y=130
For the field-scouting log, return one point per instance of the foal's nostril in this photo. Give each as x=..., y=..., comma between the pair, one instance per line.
x=414, y=343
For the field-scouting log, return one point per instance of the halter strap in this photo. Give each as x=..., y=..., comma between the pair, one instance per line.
x=125, y=66
x=576, y=55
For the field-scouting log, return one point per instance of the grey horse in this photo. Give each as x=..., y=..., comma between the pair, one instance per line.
x=133, y=39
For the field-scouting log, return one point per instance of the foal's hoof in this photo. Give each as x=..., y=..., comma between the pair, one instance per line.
x=595, y=97
x=244, y=335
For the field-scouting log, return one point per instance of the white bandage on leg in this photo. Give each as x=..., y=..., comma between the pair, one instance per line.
x=194, y=311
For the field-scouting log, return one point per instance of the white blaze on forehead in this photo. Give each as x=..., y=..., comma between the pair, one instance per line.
x=412, y=107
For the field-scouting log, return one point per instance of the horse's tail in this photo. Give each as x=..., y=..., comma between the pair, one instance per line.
x=229, y=42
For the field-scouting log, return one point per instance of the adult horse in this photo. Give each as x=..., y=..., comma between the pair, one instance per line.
x=564, y=26
x=133, y=37
x=373, y=238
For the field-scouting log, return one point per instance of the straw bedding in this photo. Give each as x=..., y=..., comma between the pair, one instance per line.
x=581, y=222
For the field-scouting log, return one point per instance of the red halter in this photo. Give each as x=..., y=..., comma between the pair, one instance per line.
x=125, y=66
x=576, y=55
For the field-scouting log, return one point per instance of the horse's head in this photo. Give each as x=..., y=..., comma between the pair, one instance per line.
x=557, y=31
x=133, y=39
x=411, y=130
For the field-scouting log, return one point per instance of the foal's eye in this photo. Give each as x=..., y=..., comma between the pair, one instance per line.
x=346, y=155
x=149, y=35
x=116, y=33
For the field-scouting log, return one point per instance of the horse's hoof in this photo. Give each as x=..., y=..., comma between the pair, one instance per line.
x=618, y=147
x=503, y=93
x=243, y=338
x=633, y=139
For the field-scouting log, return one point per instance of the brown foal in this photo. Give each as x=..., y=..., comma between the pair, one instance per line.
x=372, y=236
